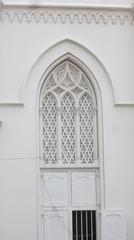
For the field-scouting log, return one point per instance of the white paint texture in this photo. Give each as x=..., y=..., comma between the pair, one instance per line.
x=68, y=1
x=27, y=50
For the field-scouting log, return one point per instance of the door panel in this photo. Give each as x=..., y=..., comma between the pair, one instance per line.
x=64, y=191
x=56, y=225
x=114, y=225
x=83, y=189
x=55, y=189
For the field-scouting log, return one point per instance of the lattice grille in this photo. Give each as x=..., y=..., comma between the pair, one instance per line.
x=86, y=129
x=68, y=129
x=69, y=124
x=49, y=129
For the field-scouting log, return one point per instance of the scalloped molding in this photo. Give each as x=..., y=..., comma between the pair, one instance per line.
x=64, y=15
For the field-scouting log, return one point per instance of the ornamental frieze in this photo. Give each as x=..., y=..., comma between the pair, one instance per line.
x=66, y=15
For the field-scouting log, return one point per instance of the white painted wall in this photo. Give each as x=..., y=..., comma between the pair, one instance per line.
x=77, y=1
x=21, y=46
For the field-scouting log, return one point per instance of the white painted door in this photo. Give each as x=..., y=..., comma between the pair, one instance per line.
x=63, y=192
x=114, y=225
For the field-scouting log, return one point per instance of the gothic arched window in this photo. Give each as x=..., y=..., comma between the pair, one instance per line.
x=68, y=123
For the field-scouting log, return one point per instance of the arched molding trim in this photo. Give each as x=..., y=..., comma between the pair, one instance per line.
x=79, y=57
x=79, y=54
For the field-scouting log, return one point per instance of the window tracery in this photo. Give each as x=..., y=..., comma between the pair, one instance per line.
x=68, y=122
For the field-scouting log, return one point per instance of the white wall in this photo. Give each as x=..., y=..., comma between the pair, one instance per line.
x=85, y=1
x=21, y=45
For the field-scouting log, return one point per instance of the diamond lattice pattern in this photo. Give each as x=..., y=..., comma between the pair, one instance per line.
x=69, y=124
x=86, y=130
x=68, y=129
x=49, y=129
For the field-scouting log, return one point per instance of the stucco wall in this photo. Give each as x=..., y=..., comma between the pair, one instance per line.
x=77, y=1
x=24, y=45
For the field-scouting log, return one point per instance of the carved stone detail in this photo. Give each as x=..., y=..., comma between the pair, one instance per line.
x=59, y=72
x=58, y=90
x=68, y=15
x=67, y=82
x=76, y=90
x=83, y=83
x=51, y=83
x=74, y=72
x=68, y=122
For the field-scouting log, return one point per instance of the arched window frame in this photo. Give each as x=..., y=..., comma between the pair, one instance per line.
x=58, y=91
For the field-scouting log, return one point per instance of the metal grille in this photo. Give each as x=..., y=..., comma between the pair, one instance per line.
x=84, y=225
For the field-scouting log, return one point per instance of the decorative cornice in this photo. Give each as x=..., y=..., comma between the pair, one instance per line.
x=66, y=3
x=71, y=15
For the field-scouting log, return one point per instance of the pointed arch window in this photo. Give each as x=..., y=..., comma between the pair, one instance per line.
x=68, y=121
